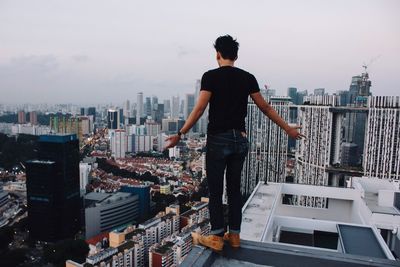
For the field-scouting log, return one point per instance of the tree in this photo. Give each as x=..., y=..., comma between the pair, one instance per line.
x=6, y=236
x=68, y=249
x=11, y=258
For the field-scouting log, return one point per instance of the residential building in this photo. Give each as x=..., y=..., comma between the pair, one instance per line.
x=382, y=144
x=268, y=145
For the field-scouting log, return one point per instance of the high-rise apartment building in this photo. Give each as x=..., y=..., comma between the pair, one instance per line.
x=118, y=142
x=21, y=117
x=33, y=118
x=321, y=147
x=382, y=144
x=54, y=204
x=152, y=128
x=266, y=159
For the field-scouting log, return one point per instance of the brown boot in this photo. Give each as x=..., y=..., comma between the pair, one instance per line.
x=234, y=239
x=211, y=241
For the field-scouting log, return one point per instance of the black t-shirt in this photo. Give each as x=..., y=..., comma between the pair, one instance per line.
x=230, y=88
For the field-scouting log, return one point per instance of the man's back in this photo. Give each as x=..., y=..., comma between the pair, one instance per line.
x=230, y=88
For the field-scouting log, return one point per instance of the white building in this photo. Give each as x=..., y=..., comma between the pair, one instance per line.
x=174, y=152
x=322, y=130
x=143, y=143
x=382, y=142
x=118, y=142
x=84, y=171
x=268, y=144
x=152, y=128
x=136, y=129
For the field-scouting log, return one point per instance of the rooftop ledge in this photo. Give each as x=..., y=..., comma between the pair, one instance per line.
x=280, y=255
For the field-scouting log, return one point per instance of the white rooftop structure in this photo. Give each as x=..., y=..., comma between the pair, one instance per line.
x=361, y=215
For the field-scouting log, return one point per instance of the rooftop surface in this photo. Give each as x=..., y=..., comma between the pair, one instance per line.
x=257, y=211
x=371, y=189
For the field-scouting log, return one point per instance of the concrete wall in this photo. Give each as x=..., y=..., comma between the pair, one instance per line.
x=338, y=210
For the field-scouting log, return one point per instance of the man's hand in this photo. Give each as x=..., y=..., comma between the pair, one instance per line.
x=173, y=141
x=293, y=133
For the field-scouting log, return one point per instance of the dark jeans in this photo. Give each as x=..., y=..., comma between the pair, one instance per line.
x=225, y=151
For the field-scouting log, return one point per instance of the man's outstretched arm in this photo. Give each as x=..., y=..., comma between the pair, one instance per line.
x=198, y=110
x=271, y=113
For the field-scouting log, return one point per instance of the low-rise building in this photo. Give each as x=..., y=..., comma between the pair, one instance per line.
x=105, y=212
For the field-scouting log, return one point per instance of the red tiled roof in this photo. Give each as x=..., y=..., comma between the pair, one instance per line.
x=98, y=238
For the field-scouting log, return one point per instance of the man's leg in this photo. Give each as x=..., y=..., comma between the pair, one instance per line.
x=233, y=179
x=215, y=166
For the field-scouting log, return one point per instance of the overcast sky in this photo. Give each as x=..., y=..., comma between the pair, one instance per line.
x=103, y=51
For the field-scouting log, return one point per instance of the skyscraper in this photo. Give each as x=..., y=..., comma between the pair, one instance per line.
x=148, y=107
x=354, y=123
x=127, y=109
x=54, y=203
x=319, y=91
x=382, y=144
x=154, y=102
x=292, y=93
x=159, y=113
x=189, y=105
x=167, y=106
x=175, y=107
x=92, y=112
x=113, y=119
x=139, y=108
x=266, y=159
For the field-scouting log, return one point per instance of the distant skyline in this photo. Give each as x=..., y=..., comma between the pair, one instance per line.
x=99, y=51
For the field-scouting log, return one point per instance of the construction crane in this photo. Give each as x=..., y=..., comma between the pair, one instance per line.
x=365, y=66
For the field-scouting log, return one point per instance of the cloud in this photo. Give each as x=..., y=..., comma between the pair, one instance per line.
x=80, y=58
x=184, y=51
x=31, y=64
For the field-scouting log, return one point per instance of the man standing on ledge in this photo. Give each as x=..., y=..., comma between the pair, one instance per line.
x=227, y=89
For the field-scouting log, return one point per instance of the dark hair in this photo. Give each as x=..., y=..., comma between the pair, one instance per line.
x=227, y=46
